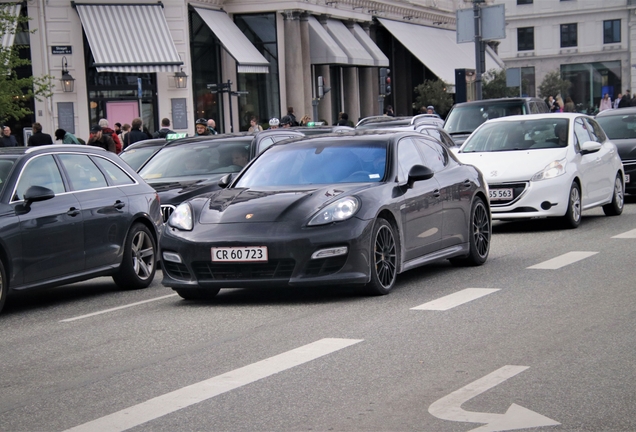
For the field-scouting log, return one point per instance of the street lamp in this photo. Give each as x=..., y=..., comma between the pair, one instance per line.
x=68, y=82
x=180, y=79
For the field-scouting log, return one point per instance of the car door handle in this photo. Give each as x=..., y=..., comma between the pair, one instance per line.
x=73, y=212
x=467, y=183
x=436, y=193
x=119, y=205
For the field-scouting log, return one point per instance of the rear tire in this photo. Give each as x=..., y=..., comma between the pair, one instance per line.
x=572, y=218
x=480, y=233
x=4, y=286
x=384, y=259
x=615, y=208
x=198, y=294
x=138, y=266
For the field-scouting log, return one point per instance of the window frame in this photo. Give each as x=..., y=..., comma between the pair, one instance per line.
x=611, y=31
x=522, y=43
x=569, y=35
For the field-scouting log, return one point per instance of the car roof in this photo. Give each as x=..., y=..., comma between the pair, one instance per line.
x=527, y=117
x=20, y=150
x=146, y=143
x=617, y=112
x=497, y=100
x=205, y=138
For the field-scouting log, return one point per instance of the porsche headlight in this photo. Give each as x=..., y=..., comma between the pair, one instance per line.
x=553, y=170
x=181, y=218
x=337, y=211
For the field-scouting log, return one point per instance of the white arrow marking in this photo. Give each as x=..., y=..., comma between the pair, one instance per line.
x=517, y=417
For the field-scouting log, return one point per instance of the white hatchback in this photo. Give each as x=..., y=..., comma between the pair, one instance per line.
x=547, y=165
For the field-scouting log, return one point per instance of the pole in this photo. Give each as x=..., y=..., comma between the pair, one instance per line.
x=381, y=104
x=229, y=98
x=478, y=51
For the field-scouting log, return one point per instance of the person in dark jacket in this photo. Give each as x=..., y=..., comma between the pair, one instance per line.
x=292, y=116
x=165, y=129
x=38, y=138
x=99, y=139
x=625, y=100
x=135, y=134
x=343, y=119
x=7, y=139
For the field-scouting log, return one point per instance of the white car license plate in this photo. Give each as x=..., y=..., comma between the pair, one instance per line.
x=500, y=194
x=240, y=254
x=626, y=178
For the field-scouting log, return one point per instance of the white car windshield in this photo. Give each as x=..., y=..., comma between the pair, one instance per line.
x=317, y=163
x=519, y=135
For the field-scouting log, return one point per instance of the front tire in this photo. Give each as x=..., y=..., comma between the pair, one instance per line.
x=480, y=233
x=384, y=258
x=615, y=208
x=138, y=266
x=572, y=218
x=4, y=286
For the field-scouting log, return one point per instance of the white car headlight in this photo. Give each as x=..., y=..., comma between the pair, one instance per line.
x=181, y=218
x=553, y=170
x=337, y=211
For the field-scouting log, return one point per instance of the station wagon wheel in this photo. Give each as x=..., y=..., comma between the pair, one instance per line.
x=480, y=233
x=4, y=287
x=384, y=258
x=572, y=218
x=615, y=208
x=138, y=266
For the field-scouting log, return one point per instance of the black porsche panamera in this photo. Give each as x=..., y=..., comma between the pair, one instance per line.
x=355, y=208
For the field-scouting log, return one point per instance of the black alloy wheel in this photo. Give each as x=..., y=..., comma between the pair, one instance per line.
x=615, y=208
x=4, y=287
x=480, y=233
x=384, y=258
x=138, y=266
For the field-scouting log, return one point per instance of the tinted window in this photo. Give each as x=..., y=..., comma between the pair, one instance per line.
x=407, y=157
x=434, y=156
x=596, y=132
x=5, y=169
x=469, y=117
x=136, y=157
x=82, y=172
x=522, y=135
x=40, y=171
x=619, y=126
x=580, y=132
x=116, y=176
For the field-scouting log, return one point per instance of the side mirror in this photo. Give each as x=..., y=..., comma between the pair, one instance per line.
x=590, y=147
x=38, y=193
x=419, y=173
x=225, y=180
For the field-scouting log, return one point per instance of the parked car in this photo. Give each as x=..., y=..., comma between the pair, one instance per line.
x=138, y=153
x=465, y=117
x=439, y=134
x=355, y=208
x=188, y=167
x=547, y=165
x=620, y=127
x=69, y=213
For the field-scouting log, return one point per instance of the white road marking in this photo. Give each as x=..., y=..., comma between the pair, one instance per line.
x=195, y=393
x=629, y=234
x=117, y=308
x=455, y=299
x=563, y=260
x=517, y=417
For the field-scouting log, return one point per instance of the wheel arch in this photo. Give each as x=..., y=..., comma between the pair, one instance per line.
x=145, y=220
x=388, y=215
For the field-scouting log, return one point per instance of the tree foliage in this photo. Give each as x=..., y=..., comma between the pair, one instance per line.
x=494, y=85
x=16, y=92
x=434, y=93
x=553, y=85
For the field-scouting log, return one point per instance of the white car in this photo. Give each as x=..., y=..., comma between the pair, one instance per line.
x=547, y=165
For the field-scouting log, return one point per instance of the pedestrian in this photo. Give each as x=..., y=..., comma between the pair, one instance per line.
x=559, y=103
x=202, y=128
x=304, y=120
x=66, y=137
x=606, y=103
x=343, y=119
x=286, y=122
x=135, y=134
x=625, y=100
x=39, y=138
x=118, y=130
x=125, y=128
x=292, y=116
x=388, y=111
x=254, y=126
x=106, y=130
x=212, y=126
x=273, y=123
x=430, y=109
x=569, y=105
x=617, y=100
x=7, y=140
x=100, y=139
x=165, y=129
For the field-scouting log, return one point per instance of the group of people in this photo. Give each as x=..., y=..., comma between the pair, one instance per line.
x=557, y=104
x=621, y=101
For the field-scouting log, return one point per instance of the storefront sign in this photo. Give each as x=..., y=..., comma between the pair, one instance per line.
x=66, y=116
x=62, y=49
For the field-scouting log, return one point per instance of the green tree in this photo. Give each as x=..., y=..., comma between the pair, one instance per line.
x=494, y=85
x=553, y=85
x=17, y=92
x=434, y=93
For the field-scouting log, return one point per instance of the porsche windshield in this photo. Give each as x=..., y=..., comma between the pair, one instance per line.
x=317, y=162
x=519, y=135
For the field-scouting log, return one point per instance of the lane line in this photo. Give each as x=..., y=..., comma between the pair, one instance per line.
x=117, y=308
x=455, y=299
x=562, y=260
x=629, y=234
x=195, y=393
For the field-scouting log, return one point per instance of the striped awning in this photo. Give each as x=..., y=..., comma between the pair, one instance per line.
x=140, y=42
x=8, y=36
x=357, y=54
x=248, y=58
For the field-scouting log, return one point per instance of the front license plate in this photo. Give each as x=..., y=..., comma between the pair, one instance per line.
x=626, y=178
x=500, y=194
x=240, y=254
